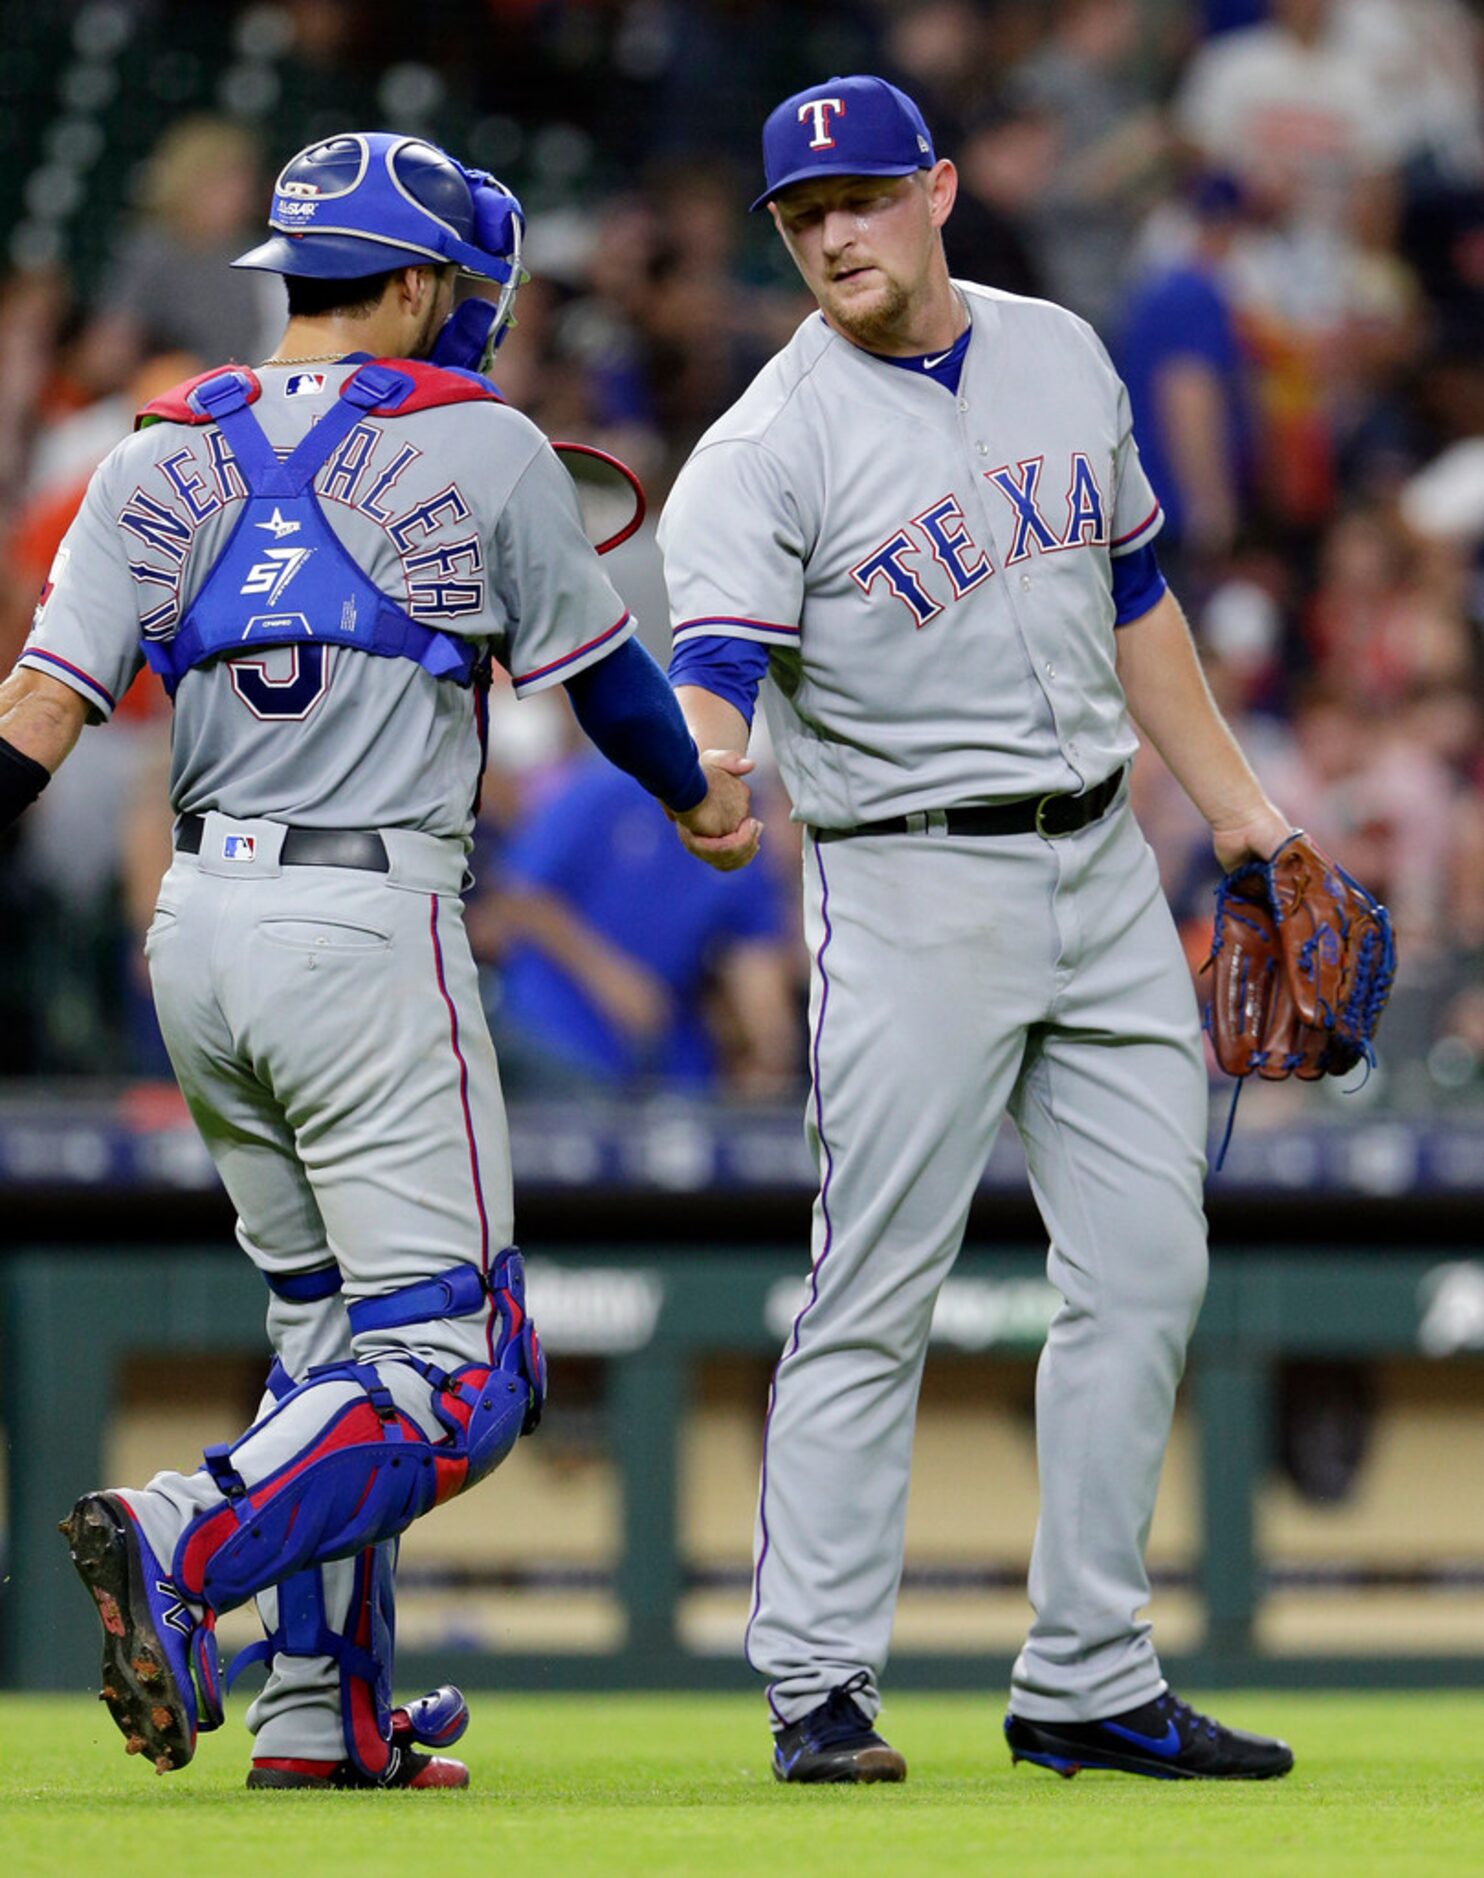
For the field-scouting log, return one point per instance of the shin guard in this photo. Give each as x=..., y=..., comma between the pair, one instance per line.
x=298, y=1622
x=362, y=1649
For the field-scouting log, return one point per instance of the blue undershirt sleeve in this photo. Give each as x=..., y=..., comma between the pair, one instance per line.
x=1138, y=584
x=731, y=668
x=625, y=706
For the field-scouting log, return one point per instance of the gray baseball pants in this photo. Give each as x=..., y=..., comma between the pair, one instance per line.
x=326, y=1029
x=955, y=980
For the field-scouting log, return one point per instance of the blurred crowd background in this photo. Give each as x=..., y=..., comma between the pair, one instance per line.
x=1273, y=210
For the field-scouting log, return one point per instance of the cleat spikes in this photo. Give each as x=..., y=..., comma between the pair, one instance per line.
x=150, y=1700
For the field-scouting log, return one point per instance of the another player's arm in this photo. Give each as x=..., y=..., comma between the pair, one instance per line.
x=721, y=733
x=40, y=720
x=1170, y=701
x=634, y=999
x=756, y=979
x=712, y=721
x=629, y=712
x=1189, y=397
x=733, y=601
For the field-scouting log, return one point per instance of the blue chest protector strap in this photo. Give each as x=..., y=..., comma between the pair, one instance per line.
x=283, y=577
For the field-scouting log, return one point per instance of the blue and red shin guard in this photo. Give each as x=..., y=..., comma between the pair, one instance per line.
x=359, y=1471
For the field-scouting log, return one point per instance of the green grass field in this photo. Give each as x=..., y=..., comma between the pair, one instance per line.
x=659, y=1784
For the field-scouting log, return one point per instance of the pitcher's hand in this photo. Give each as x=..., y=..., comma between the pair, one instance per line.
x=719, y=829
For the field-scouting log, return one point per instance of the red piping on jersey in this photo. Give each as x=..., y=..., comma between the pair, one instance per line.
x=543, y=671
x=432, y=385
x=1133, y=532
x=728, y=619
x=54, y=658
x=453, y=1033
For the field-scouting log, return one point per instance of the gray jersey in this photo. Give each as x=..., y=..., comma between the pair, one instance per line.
x=940, y=612
x=461, y=513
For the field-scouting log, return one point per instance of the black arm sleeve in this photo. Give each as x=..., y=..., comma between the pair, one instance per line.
x=22, y=779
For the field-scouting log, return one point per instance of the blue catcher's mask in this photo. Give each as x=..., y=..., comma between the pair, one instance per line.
x=368, y=201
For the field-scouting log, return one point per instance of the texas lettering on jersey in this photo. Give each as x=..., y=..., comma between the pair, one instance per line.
x=444, y=580
x=942, y=531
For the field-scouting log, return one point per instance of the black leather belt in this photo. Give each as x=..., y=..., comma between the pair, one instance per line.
x=306, y=847
x=1030, y=815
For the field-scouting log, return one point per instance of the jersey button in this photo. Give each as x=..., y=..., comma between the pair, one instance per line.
x=1025, y=581
x=1050, y=669
x=982, y=448
x=963, y=404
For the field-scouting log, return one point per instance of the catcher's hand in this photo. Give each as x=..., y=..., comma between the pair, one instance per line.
x=1302, y=959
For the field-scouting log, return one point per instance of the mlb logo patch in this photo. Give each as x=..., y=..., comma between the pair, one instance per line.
x=305, y=385
x=239, y=847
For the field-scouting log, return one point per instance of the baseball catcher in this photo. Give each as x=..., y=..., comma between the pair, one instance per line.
x=321, y=554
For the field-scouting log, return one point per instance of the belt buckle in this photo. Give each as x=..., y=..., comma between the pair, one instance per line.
x=1049, y=834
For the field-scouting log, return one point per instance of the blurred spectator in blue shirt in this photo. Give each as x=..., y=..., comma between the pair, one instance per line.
x=623, y=963
x=1182, y=361
x=1229, y=16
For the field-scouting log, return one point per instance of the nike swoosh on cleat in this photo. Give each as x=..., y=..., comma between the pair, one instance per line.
x=1166, y=1746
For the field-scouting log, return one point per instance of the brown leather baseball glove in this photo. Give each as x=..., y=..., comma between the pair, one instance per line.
x=1302, y=959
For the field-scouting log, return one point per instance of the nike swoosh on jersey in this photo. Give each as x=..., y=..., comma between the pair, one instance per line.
x=929, y=364
x=1166, y=1746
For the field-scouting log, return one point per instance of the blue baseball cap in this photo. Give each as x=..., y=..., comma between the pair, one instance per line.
x=859, y=126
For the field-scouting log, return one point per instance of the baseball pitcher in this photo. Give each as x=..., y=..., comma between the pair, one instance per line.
x=926, y=524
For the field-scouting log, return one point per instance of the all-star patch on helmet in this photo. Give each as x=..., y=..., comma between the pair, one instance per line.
x=369, y=201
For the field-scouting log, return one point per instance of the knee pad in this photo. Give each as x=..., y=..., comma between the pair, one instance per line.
x=367, y=1471
x=463, y=1290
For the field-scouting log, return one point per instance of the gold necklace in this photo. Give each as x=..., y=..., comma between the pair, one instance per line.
x=318, y=358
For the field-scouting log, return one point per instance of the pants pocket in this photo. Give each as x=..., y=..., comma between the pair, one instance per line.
x=165, y=921
x=323, y=935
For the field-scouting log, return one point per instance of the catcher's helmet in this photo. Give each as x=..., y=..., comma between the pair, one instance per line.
x=367, y=201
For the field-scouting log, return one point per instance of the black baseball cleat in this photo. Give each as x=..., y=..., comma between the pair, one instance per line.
x=1165, y=1739
x=835, y=1744
x=160, y=1674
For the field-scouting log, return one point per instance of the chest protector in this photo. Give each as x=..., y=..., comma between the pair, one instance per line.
x=284, y=578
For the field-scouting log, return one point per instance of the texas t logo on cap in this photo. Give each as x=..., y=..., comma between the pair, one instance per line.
x=858, y=126
x=817, y=111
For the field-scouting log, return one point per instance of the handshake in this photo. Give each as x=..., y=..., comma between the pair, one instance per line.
x=720, y=829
